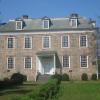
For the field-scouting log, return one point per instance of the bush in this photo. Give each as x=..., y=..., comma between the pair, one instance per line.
x=84, y=77
x=94, y=77
x=65, y=77
x=58, y=77
x=49, y=89
x=18, y=78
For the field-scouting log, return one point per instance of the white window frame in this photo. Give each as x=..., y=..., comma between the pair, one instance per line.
x=44, y=22
x=13, y=42
x=24, y=63
x=43, y=42
x=71, y=23
x=21, y=25
x=30, y=42
x=63, y=61
x=13, y=62
x=62, y=41
x=80, y=41
x=87, y=62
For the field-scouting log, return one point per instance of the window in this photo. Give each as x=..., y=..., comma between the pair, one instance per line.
x=28, y=62
x=46, y=24
x=66, y=61
x=18, y=25
x=74, y=23
x=84, y=61
x=46, y=41
x=64, y=41
x=10, y=42
x=83, y=41
x=10, y=62
x=28, y=42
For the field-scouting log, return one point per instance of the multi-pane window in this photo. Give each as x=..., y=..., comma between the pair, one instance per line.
x=10, y=62
x=66, y=61
x=18, y=25
x=28, y=42
x=46, y=24
x=65, y=40
x=46, y=41
x=84, y=61
x=74, y=23
x=28, y=62
x=10, y=42
x=83, y=41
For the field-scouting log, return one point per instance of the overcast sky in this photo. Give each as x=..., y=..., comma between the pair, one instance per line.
x=52, y=8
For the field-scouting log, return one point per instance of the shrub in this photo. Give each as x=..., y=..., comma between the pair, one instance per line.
x=65, y=77
x=94, y=77
x=18, y=78
x=58, y=77
x=84, y=77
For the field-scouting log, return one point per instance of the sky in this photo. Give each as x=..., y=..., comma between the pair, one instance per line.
x=10, y=9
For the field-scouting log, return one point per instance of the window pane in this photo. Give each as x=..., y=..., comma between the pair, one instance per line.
x=83, y=61
x=65, y=61
x=10, y=62
x=19, y=25
x=28, y=62
x=83, y=41
x=65, y=41
x=73, y=23
x=46, y=23
x=10, y=42
x=46, y=42
x=27, y=42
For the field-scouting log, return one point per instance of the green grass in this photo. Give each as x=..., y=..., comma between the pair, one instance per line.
x=26, y=88
x=76, y=90
x=80, y=90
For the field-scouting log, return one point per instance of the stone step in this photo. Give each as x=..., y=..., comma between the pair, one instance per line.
x=44, y=77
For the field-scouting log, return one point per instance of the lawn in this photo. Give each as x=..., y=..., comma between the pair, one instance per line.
x=26, y=88
x=80, y=90
x=76, y=90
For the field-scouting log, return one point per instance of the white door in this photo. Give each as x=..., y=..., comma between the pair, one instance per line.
x=48, y=65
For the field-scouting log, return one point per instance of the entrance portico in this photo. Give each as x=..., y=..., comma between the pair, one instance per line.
x=46, y=62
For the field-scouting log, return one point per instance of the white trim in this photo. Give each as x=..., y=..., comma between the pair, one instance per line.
x=86, y=42
x=87, y=62
x=62, y=61
x=72, y=23
x=48, y=24
x=13, y=42
x=30, y=42
x=16, y=25
x=49, y=42
x=13, y=63
x=68, y=41
x=24, y=63
x=46, y=33
x=54, y=63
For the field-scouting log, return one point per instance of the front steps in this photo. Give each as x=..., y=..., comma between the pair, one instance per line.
x=43, y=78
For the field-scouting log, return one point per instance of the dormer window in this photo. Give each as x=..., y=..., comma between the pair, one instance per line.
x=74, y=23
x=18, y=25
x=46, y=24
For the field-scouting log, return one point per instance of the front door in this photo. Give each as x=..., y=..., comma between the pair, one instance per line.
x=48, y=65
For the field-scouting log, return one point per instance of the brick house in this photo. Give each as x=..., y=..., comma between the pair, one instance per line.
x=48, y=46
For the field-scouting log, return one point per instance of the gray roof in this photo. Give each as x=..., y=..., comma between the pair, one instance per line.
x=55, y=24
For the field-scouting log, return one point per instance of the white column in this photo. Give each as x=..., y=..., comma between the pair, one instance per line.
x=54, y=63
x=36, y=67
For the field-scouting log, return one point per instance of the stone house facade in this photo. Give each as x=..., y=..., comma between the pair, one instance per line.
x=48, y=46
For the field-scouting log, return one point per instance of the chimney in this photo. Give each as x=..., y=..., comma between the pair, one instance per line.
x=25, y=17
